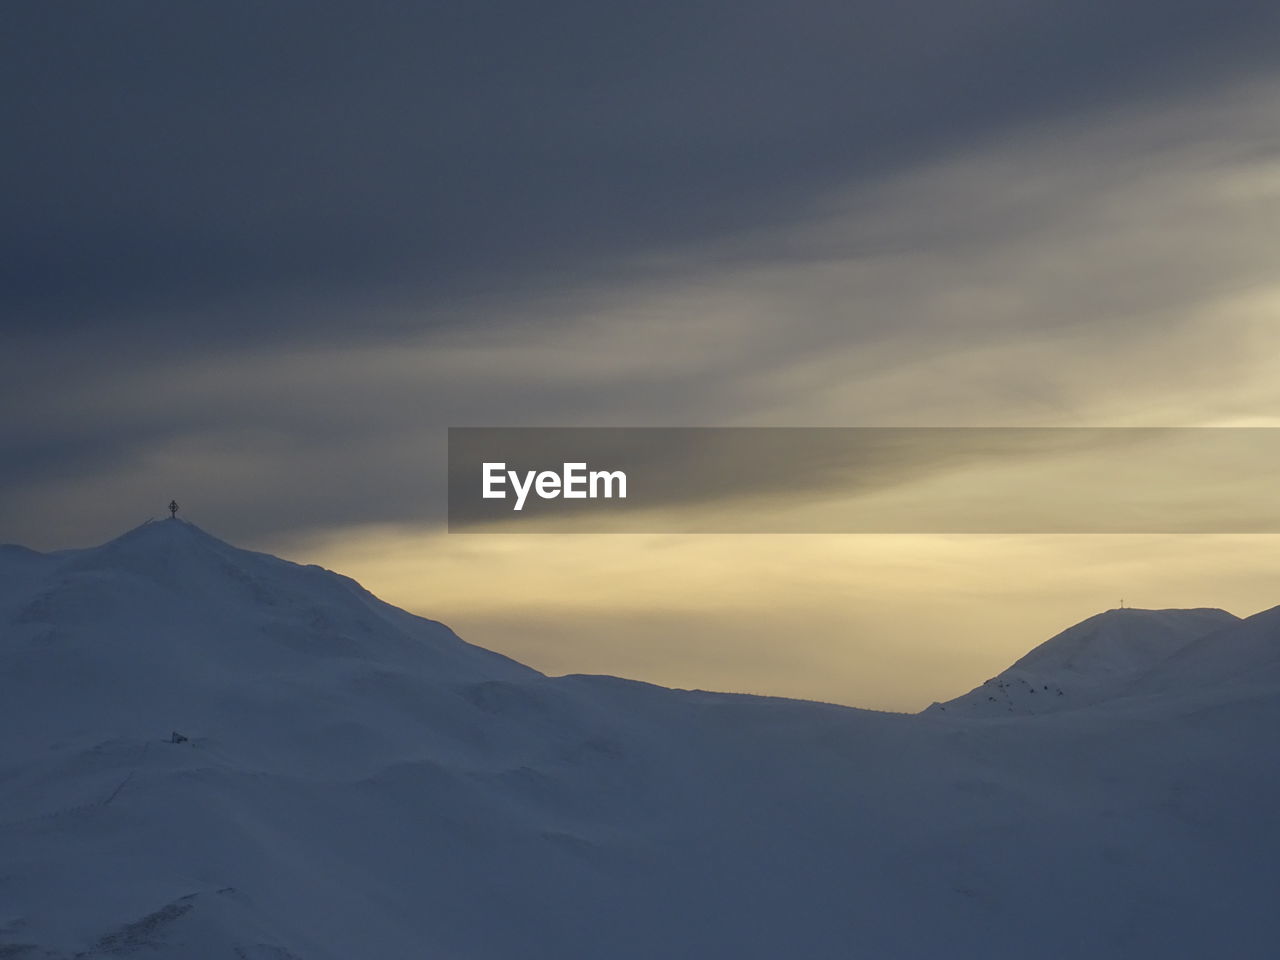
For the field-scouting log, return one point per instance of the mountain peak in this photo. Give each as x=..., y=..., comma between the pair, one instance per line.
x=1090, y=661
x=210, y=752
x=168, y=530
x=169, y=524
x=173, y=552
x=1121, y=641
x=136, y=629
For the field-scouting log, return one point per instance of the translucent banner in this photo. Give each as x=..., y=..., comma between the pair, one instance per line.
x=864, y=480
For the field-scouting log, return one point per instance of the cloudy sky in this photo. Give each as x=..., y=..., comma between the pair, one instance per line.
x=258, y=257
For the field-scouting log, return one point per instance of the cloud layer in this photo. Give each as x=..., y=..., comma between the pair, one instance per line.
x=260, y=257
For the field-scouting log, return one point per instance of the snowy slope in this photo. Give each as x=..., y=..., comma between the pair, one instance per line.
x=360, y=783
x=1095, y=660
x=1245, y=653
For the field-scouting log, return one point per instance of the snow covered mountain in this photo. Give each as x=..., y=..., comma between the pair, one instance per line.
x=1095, y=660
x=358, y=782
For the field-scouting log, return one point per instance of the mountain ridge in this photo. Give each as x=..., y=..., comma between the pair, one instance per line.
x=359, y=782
x=1097, y=659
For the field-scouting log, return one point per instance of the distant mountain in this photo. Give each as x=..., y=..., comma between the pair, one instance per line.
x=1245, y=653
x=1097, y=659
x=351, y=782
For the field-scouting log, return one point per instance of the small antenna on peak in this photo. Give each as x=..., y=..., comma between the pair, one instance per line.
x=173, y=510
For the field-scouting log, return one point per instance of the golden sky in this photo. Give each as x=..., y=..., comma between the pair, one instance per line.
x=1110, y=265
x=890, y=622
x=1112, y=270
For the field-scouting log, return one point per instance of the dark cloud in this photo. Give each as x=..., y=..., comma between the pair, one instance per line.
x=160, y=157
x=258, y=256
